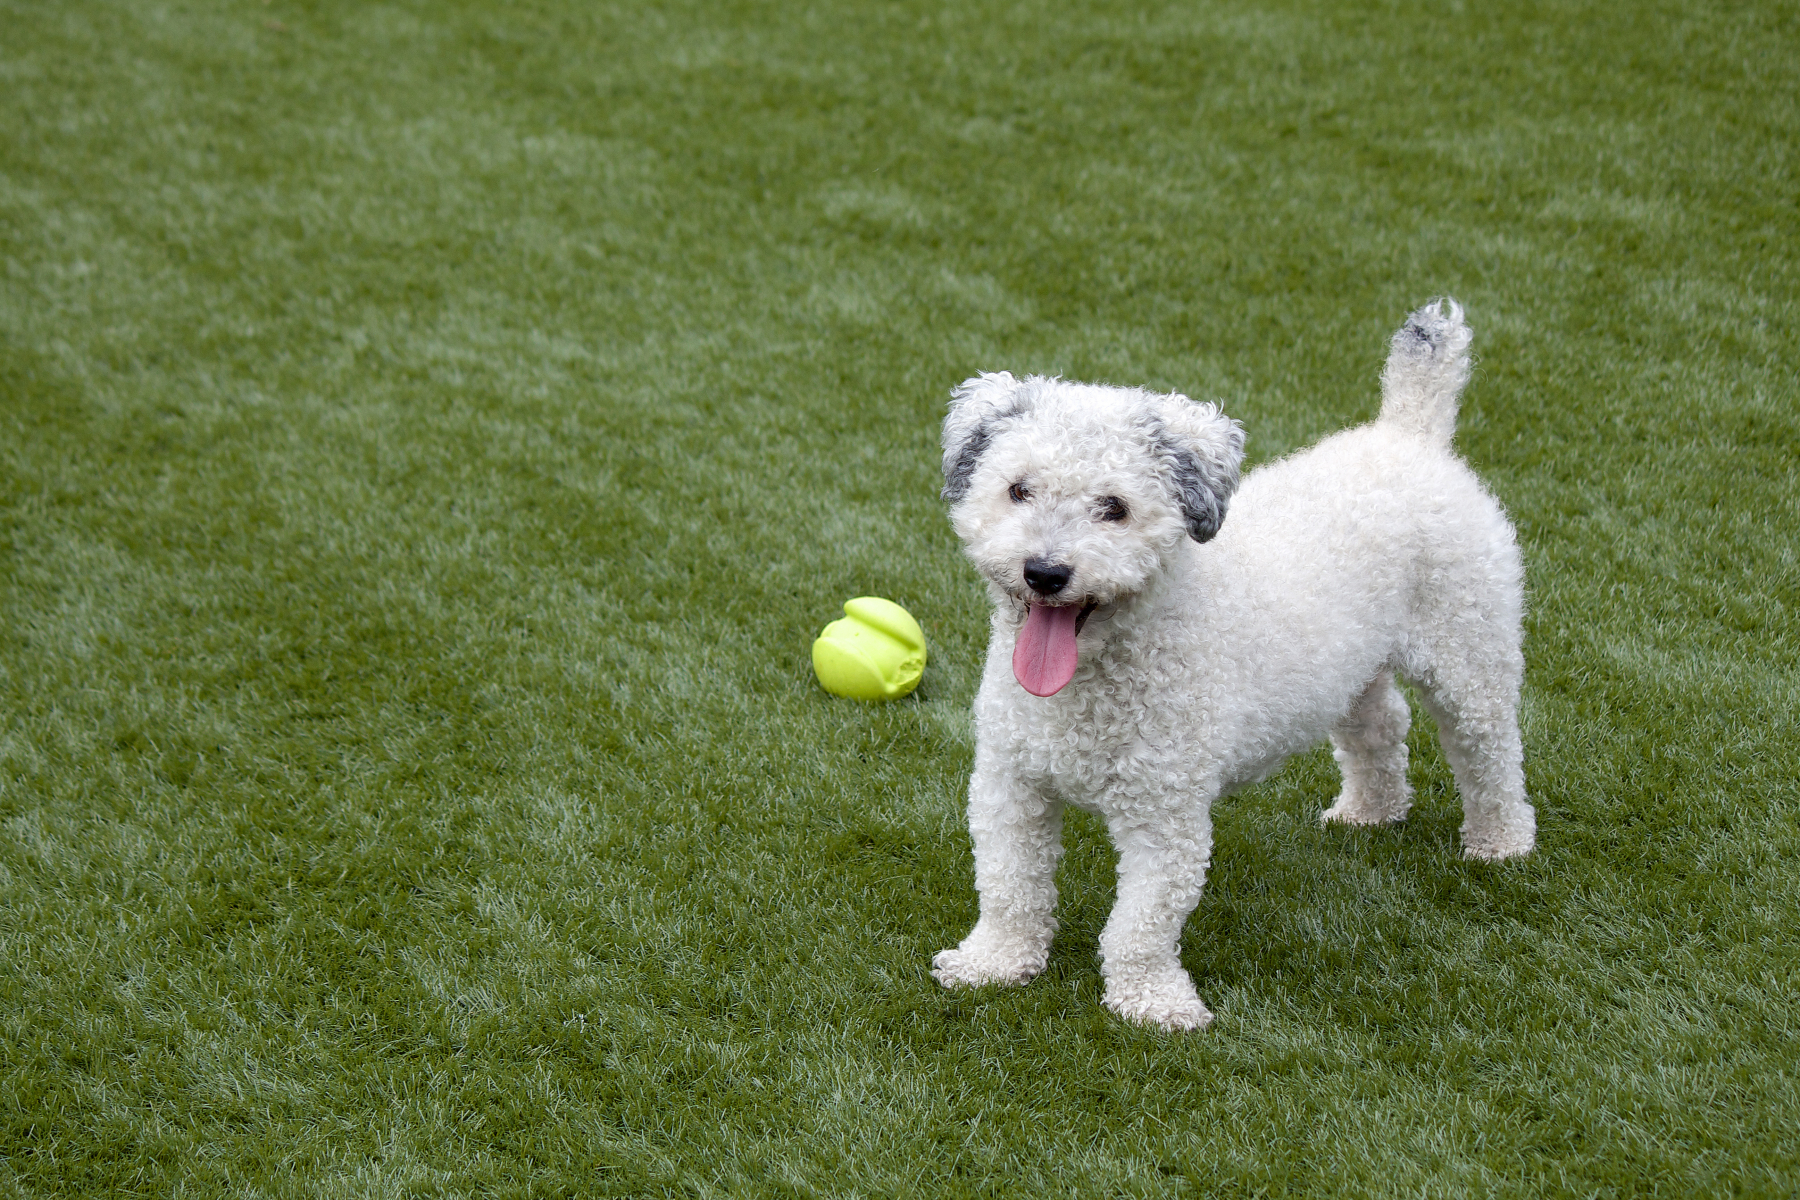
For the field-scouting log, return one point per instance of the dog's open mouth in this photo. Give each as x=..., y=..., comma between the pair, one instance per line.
x=1045, y=656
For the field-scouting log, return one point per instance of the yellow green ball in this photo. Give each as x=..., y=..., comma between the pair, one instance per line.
x=876, y=652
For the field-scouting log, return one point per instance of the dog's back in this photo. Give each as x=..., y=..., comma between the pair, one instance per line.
x=1377, y=549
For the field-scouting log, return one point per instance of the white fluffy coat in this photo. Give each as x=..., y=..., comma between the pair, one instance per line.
x=1224, y=633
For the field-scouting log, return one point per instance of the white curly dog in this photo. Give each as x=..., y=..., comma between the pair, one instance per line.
x=1149, y=656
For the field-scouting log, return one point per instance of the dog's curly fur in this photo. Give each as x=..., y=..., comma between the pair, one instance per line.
x=1226, y=628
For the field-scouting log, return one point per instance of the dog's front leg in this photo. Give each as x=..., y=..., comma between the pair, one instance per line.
x=1163, y=857
x=1018, y=840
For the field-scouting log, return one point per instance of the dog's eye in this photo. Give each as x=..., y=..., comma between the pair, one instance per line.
x=1113, y=509
x=1019, y=493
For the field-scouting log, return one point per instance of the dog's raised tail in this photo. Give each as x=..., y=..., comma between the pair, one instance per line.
x=1427, y=366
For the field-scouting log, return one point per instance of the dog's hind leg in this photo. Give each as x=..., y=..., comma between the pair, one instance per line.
x=1474, y=697
x=1018, y=841
x=1162, y=868
x=1370, y=747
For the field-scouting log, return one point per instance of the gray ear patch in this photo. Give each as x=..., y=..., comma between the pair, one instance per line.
x=977, y=406
x=1203, y=484
x=1204, y=497
x=956, y=478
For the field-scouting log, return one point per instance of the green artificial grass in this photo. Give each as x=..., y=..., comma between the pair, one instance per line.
x=431, y=433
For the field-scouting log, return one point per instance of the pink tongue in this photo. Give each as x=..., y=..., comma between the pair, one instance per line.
x=1044, y=656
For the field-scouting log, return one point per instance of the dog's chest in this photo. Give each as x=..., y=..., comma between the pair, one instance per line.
x=1102, y=743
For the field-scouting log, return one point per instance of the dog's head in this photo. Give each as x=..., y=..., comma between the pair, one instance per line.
x=1069, y=496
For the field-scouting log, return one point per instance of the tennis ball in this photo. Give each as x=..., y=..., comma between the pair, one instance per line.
x=876, y=652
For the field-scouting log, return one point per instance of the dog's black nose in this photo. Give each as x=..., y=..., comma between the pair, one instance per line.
x=1047, y=578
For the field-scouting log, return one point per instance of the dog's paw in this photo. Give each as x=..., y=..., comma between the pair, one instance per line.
x=1171, y=1003
x=973, y=968
x=1499, y=849
x=1358, y=810
x=1512, y=834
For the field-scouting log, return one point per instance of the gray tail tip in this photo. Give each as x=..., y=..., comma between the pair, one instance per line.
x=1435, y=327
x=1427, y=366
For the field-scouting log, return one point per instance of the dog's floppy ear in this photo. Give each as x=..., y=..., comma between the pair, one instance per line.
x=975, y=405
x=1200, y=448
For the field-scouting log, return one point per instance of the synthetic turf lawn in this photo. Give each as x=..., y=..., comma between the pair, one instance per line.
x=430, y=435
